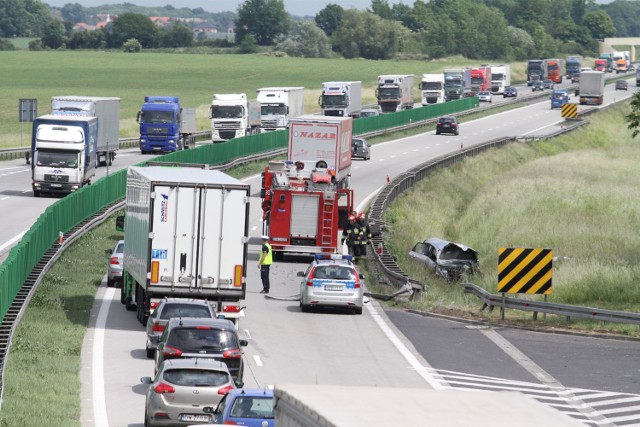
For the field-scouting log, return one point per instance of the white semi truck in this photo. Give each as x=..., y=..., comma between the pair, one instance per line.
x=278, y=105
x=233, y=116
x=500, y=78
x=186, y=234
x=395, y=92
x=432, y=88
x=342, y=99
x=105, y=109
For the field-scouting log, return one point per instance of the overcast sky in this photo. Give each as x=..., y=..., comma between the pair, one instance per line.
x=294, y=7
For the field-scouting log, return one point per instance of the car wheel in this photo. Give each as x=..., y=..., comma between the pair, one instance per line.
x=457, y=133
x=147, y=422
x=110, y=282
x=303, y=307
x=358, y=310
x=437, y=133
x=150, y=352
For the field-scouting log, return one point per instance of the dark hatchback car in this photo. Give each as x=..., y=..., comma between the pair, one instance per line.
x=191, y=337
x=447, y=124
x=510, y=92
x=622, y=85
x=537, y=85
x=360, y=148
x=169, y=308
x=452, y=261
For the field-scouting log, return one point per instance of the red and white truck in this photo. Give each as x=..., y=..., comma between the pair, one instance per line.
x=306, y=199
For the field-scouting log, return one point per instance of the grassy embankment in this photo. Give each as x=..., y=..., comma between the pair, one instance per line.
x=194, y=78
x=577, y=194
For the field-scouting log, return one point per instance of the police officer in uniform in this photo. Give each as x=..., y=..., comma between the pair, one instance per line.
x=264, y=264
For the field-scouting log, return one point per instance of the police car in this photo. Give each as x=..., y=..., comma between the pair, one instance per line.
x=331, y=280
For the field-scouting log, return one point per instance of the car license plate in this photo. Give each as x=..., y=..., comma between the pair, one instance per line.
x=56, y=185
x=332, y=287
x=445, y=126
x=194, y=418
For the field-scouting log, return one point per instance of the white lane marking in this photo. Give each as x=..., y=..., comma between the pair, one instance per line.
x=12, y=241
x=257, y=359
x=426, y=374
x=545, y=378
x=5, y=198
x=404, y=351
x=99, y=400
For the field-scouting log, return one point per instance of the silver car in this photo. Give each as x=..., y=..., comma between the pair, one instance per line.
x=452, y=261
x=114, y=268
x=182, y=387
x=173, y=307
x=331, y=281
x=369, y=112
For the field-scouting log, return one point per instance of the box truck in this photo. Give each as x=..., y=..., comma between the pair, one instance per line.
x=105, y=109
x=185, y=235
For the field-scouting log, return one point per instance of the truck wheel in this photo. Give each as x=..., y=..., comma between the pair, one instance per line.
x=111, y=156
x=122, y=297
x=36, y=193
x=278, y=255
x=129, y=304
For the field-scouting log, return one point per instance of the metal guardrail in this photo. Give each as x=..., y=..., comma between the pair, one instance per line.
x=568, y=311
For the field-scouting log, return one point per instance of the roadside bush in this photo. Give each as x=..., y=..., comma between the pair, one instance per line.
x=36, y=45
x=132, y=46
x=6, y=45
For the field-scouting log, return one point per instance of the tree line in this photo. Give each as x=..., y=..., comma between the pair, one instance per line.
x=477, y=29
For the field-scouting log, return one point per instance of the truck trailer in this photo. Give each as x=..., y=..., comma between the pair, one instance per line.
x=165, y=126
x=341, y=99
x=105, y=109
x=63, y=152
x=186, y=234
x=432, y=88
x=233, y=116
x=500, y=78
x=278, y=105
x=395, y=92
x=592, y=87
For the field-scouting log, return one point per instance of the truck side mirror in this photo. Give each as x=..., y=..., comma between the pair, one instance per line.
x=320, y=100
x=120, y=223
x=211, y=112
x=138, y=116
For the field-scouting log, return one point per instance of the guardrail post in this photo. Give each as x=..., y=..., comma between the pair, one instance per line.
x=502, y=306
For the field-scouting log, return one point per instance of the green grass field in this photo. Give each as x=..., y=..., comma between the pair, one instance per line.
x=577, y=195
x=194, y=78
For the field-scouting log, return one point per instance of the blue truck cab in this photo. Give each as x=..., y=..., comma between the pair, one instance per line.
x=159, y=120
x=559, y=97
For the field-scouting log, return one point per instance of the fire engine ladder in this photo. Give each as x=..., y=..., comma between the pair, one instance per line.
x=328, y=230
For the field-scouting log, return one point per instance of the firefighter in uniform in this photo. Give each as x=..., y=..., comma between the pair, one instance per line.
x=365, y=234
x=350, y=234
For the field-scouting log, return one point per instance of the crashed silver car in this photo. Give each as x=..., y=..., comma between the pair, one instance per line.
x=452, y=261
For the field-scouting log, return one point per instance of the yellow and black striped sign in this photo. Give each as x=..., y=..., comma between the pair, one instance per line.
x=570, y=110
x=525, y=271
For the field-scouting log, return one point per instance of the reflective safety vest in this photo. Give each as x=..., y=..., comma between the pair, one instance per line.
x=268, y=259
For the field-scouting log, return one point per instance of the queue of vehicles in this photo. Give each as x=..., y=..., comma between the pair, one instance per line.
x=305, y=200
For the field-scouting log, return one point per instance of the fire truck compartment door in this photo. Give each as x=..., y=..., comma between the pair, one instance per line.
x=304, y=215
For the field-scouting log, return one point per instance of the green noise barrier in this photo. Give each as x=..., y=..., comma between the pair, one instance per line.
x=74, y=208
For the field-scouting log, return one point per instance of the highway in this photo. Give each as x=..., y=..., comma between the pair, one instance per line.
x=382, y=347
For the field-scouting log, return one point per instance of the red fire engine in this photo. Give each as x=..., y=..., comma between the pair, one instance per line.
x=303, y=211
